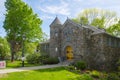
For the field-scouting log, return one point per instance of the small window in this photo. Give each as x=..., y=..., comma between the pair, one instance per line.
x=56, y=49
x=56, y=34
x=115, y=43
x=45, y=47
x=109, y=42
x=112, y=42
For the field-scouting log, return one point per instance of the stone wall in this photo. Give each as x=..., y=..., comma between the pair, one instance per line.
x=111, y=50
x=96, y=57
x=72, y=35
x=102, y=55
x=55, y=40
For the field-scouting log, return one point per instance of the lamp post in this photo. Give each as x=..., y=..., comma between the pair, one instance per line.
x=23, y=49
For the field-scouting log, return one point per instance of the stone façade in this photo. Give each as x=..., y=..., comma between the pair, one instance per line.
x=99, y=49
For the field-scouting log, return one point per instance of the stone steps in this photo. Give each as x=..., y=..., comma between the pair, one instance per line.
x=67, y=62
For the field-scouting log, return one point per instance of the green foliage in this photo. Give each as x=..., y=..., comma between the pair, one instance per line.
x=33, y=58
x=43, y=57
x=81, y=20
x=98, y=22
x=101, y=19
x=113, y=76
x=70, y=68
x=45, y=37
x=51, y=60
x=20, y=21
x=30, y=47
x=114, y=29
x=94, y=13
x=4, y=49
x=118, y=64
x=84, y=77
x=95, y=74
x=80, y=65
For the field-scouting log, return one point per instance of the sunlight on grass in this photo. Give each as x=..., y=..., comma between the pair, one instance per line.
x=45, y=74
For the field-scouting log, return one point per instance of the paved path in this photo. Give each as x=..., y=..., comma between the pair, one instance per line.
x=4, y=71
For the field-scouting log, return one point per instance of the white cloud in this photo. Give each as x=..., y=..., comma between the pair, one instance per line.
x=56, y=9
x=46, y=17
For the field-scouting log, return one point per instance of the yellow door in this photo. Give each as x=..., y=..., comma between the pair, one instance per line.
x=69, y=53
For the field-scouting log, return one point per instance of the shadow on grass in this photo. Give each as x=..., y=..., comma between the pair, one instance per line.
x=55, y=69
x=18, y=64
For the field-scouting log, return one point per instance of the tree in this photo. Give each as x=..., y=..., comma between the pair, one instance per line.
x=21, y=21
x=97, y=17
x=45, y=37
x=82, y=20
x=4, y=48
x=97, y=22
x=114, y=29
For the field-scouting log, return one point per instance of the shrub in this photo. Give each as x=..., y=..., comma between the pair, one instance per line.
x=87, y=72
x=50, y=60
x=80, y=65
x=42, y=58
x=84, y=77
x=95, y=74
x=33, y=58
x=113, y=76
x=70, y=68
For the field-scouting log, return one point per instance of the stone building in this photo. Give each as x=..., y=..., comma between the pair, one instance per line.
x=72, y=41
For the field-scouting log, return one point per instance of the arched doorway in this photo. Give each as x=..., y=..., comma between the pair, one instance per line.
x=69, y=52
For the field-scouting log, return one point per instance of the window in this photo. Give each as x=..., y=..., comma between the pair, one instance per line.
x=56, y=49
x=115, y=43
x=56, y=34
x=109, y=42
x=45, y=47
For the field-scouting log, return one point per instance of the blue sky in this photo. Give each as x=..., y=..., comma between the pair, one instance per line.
x=47, y=10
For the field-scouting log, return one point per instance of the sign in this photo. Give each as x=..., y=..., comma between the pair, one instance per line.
x=2, y=64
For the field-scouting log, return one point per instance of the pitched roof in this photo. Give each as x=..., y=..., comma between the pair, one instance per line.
x=95, y=29
x=56, y=21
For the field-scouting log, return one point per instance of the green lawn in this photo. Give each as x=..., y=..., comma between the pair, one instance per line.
x=43, y=74
x=17, y=64
x=59, y=73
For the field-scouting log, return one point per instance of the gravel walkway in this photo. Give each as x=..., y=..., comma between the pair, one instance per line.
x=4, y=71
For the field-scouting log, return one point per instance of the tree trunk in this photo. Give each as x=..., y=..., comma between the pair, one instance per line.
x=12, y=56
x=12, y=51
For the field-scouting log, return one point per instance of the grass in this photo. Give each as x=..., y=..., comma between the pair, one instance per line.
x=17, y=64
x=43, y=74
x=59, y=73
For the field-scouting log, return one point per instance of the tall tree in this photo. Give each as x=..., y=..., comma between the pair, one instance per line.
x=21, y=21
x=94, y=16
x=81, y=20
x=97, y=22
x=114, y=29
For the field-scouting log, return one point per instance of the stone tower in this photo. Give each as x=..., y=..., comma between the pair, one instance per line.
x=55, y=38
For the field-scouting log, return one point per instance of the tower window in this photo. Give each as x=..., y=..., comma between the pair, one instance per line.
x=56, y=49
x=56, y=34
